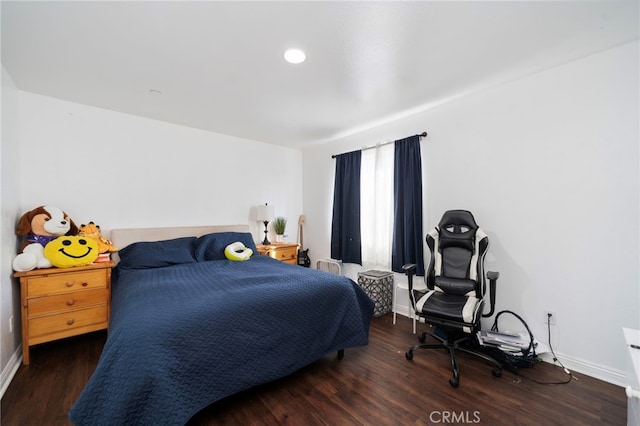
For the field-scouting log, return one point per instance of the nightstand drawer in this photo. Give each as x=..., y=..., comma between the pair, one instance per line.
x=67, y=301
x=285, y=254
x=67, y=321
x=64, y=283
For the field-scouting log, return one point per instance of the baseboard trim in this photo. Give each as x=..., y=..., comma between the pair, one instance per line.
x=10, y=370
x=600, y=372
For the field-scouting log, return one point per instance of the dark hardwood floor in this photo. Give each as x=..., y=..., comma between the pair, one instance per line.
x=370, y=385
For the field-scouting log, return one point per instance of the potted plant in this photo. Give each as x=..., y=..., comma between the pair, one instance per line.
x=279, y=225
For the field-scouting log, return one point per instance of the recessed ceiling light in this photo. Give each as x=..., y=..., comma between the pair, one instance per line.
x=295, y=56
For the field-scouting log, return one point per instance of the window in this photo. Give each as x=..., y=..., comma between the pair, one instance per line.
x=376, y=206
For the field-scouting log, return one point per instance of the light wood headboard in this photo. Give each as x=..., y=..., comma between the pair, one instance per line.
x=123, y=237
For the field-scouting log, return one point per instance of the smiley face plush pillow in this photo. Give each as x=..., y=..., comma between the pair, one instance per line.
x=68, y=251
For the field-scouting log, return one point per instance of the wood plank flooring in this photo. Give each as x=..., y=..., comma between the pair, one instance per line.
x=372, y=385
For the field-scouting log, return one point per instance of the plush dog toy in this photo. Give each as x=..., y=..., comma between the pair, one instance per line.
x=92, y=231
x=41, y=225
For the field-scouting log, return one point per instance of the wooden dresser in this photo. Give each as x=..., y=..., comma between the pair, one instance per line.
x=285, y=252
x=63, y=302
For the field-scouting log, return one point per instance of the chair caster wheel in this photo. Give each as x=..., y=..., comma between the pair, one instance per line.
x=454, y=382
x=409, y=355
x=497, y=372
x=422, y=338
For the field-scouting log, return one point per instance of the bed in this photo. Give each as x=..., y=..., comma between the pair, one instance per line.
x=189, y=327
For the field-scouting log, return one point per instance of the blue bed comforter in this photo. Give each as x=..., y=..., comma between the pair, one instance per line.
x=186, y=335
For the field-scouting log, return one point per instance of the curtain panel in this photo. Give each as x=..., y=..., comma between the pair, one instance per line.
x=345, y=226
x=407, y=244
x=377, y=206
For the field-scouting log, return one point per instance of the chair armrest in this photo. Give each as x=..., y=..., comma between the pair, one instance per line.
x=493, y=278
x=410, y=270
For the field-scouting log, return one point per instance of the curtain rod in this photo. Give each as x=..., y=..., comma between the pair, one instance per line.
x=421, y=135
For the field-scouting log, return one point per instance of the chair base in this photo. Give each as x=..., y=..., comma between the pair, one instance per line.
x=452, y=344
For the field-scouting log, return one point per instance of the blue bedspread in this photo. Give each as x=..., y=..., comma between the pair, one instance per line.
x=184, y=336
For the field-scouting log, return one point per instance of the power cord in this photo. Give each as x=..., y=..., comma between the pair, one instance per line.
x=555, y=360
x=555, y=357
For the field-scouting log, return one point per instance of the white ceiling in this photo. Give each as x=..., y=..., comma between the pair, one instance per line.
x=219, y=65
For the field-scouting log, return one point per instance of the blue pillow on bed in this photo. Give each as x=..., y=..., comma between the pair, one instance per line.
x=211, y=246
x=156, y=254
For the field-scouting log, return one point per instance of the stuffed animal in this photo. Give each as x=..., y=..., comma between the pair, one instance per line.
x=72, y=250
x=92, y=231
x=41, y=225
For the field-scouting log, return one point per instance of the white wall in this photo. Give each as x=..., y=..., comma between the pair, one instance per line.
x=123, y=171
x=9, y=182
x=549, y=167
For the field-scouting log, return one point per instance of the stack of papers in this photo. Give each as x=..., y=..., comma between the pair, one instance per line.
x=505, y=341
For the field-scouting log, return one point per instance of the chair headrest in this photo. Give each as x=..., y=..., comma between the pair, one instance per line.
x=457, y=228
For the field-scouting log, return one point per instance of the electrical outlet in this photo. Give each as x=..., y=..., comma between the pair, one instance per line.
x=550, y=317
x=11, y=324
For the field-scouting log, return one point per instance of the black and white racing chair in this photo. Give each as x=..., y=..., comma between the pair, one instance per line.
x=453, y=300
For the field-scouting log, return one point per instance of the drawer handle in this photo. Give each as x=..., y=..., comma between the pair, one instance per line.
x=70, y=283
x=71, y=321
x=84, y=284
x=70, y=302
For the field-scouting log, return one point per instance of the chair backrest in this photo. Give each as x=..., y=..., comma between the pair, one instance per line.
x=458, y=247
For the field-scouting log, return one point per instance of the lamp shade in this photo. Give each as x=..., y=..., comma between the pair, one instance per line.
x=264, y=213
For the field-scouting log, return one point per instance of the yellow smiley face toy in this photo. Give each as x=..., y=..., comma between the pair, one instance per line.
x=68, y=251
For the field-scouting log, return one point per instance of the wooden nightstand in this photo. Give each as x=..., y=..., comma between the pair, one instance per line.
x=63, y=302
x=286, y=252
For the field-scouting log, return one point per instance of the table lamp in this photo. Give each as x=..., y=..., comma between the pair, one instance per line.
x=264, y=215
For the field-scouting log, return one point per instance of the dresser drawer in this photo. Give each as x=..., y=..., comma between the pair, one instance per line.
x=64, y=283
x=284, y=254
x=67, y=301
x=67, y=321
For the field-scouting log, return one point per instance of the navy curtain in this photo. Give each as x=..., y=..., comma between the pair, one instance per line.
x=345, y=227
x=407, y=193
